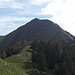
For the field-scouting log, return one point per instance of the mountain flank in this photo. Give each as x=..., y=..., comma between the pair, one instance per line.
x=1, y=38
x=39, y=30
x=40, y=47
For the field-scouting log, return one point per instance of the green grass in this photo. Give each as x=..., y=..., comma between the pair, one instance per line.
x=19, y=64
x=13, y=65
x=9, y=69
x=23, y=56
x=18, y=60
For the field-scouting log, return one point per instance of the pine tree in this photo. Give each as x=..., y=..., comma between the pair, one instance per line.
x=3, y=54
x=34, y=51
x=41, y=59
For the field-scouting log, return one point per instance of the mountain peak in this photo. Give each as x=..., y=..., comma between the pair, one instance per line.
x=39, y=30
x=35, y=19
x=41, y=20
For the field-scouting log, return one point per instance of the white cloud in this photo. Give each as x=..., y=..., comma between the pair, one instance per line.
x=39, y=2
x=13, y=19
x=63, y=12
x=11, y=4
x=8, y=23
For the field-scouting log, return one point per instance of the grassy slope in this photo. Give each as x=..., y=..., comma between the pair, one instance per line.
x=8, y=69
x=14, y=65
x=17, y=61
x=23, y=56
x=19, y=64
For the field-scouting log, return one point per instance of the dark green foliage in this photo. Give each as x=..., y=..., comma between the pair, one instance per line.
x=3, y=54
x=58, y=57
x=41, y=60
x=8, y=52
x=34, y=51
x=38, y=55
x=56, y=70
x=15, y=49
x=36, y=72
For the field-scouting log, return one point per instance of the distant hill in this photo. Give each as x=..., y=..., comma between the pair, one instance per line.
x=1, y=38
x=40, y=30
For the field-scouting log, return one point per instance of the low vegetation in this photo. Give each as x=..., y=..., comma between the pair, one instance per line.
x=19, y=64
x=39, y=58
x=14, y=65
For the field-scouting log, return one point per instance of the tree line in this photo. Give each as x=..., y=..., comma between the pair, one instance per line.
x=15, y=49
x=59, y=58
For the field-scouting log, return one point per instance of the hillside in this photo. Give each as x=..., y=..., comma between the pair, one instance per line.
x=19, y=64
x=60, y=60
x=52, y=53
x=1, y=38
x=12, y=65
x=7, y=68
x=40, y=30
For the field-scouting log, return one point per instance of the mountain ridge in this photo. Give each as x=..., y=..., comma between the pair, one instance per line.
x=40, y=30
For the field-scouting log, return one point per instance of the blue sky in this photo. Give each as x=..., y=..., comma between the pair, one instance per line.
x=15, y=13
